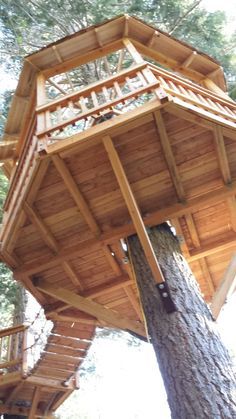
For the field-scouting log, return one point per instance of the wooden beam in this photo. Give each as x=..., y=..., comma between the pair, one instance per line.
x=75, y=193
x=209, y=84
x=10, y=378
x=45, y=382
x=62, y=396
x=183, y=245
x=201, y=117
x=212, y=248
x=83, y=207
x=197, y=244
x=12, y=330
x=225, y=288
x=232, y=210
x=72, y=275
x=221, y=154
x=34, y=402
x=157, y=217
x=186, y=63
x=137, y=57
x=133, y=209
x=90, y=307
x=112, y=285
x=41, y=90
x=41, y=227
x=169, y=157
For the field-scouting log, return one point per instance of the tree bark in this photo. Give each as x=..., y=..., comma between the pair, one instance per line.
x=196, y=368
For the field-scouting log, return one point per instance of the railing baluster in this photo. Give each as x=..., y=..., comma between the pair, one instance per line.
x=117, y=89
x=94, y=99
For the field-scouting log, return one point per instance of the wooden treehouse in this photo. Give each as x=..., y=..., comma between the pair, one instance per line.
x=114, y=129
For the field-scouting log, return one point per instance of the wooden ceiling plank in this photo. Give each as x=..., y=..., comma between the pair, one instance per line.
x=76, y=194
x=133, y=209
x=90, y=307
x=19, y=218
x=232, y=210
x=41, y=227
x=157, y=217
x=198, y=116
x=225, y=288
x=169, y=156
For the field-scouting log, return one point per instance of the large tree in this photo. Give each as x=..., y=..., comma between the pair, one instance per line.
x=196, y=367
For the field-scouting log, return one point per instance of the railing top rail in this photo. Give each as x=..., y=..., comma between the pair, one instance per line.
x=91, y=87
x=191, y=85
x=12, y=330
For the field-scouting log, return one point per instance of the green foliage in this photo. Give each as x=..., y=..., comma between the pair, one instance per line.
x=29, y=25
x=9, y=296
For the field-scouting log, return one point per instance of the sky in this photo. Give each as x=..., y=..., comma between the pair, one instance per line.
x=228, y=6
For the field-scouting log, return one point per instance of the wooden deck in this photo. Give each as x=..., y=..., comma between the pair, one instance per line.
x=95, y=165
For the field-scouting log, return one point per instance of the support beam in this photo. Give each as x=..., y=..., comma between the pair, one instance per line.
x=133, y=209
x=112, y=285
x=169, y=157
x=72, y=275
x=137, y=57
x=83, y=207
x=186, y=63
x=41, y=227
x=75, y=193
x=90, y=307
x=157, y=217
x=62, y=396
x=34, y=403
x=225, y=288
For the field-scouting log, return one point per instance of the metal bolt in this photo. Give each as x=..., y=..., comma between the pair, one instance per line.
x=161, y=286
x=164, y=294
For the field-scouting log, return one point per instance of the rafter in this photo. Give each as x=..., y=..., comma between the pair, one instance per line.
x=90, y=307
x=169, y=157
x=225, y=288
x=157, y=217
x=133, y=209
x=41, y=227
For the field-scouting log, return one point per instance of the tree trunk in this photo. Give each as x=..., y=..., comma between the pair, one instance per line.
x=195, y=366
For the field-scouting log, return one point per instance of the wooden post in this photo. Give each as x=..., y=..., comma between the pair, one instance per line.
x=25, y=353
x=133, y=209
x=137, y=57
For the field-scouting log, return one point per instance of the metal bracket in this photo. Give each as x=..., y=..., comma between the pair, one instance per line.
x=164, y=292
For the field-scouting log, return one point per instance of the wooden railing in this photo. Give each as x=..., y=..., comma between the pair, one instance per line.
x=77, y=111
x=93, y=101
x=13, y=351
x=186, y=92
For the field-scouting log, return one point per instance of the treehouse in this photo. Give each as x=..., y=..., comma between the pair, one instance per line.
x=112, y=130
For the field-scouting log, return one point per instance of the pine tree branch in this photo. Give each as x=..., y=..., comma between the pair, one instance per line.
x=181, y=18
